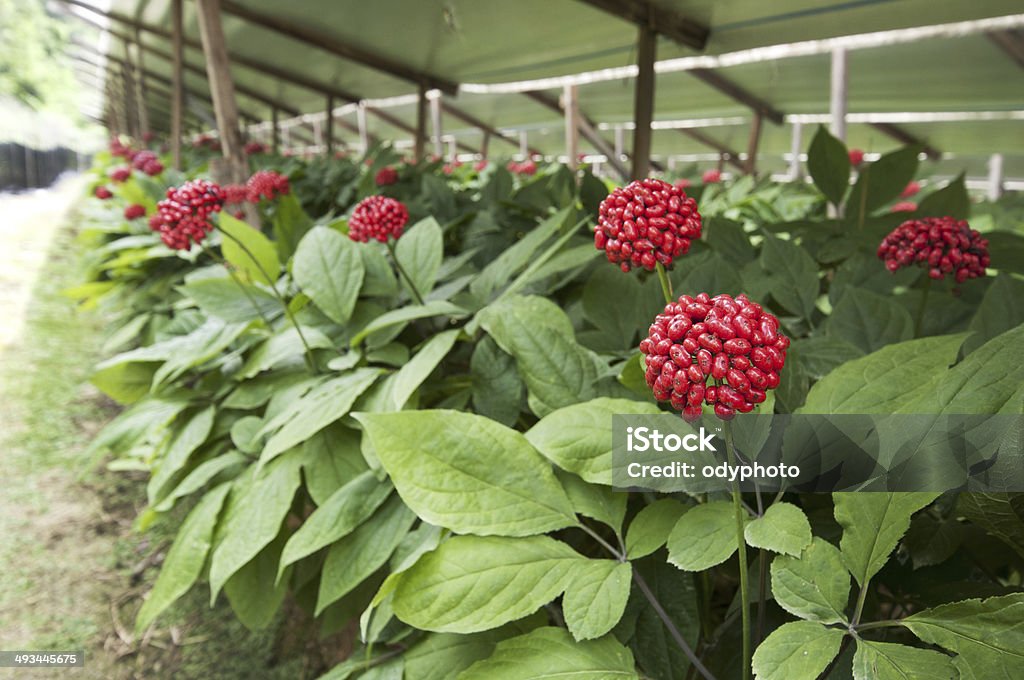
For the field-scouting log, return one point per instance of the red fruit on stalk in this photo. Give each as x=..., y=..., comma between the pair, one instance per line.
x=377, y=217
x=253, y=148
x=102, y=193
x=386, y=176
x=147, y=162
x=646, y=222
x=134, y=211
x=119, y=175
x=683, y=183
x=266, y=184
x=910, y=190
x=480, y=166
x=235, y=193
x=185, y=213
x=856, y=157
x=712, y=177
x=741, y=370
x=942, y=245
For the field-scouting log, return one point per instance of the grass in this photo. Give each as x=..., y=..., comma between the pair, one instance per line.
x=74, y=568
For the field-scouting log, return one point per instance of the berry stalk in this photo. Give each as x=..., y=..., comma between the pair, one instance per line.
x=666, y=283
x=741, y=545
x=919, y=319
x=403, y=273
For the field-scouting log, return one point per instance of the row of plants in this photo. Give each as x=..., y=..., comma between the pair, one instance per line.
x=390, y=403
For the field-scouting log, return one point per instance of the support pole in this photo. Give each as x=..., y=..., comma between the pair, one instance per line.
x=995, y=177
x=524, y=144
x=570, y=104
x=330, y=126
x=364, y=137
x=755, y=138
x=837, y=101
x=140, y=83
x=435, y=125
x=643, y=106
x=275, y=131
x=485, y=143
x=221, y=87
x=620, y=142
x=419, y=142
x=795, y=145
x=128, y=82
x=177, y=93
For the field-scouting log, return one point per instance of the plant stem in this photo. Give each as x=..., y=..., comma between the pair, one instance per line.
x=666, y=283
x=919, y=319
x=762, y=582
x=620, y=556
x=877, y=624
x=287, y=310
x=741, y=545
x=234, y=277
x=401, y=270
x=861, y=597
x=671, y=626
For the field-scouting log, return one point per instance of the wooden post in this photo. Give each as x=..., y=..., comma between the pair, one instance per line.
x=275, y=131
x=524, y=144
x=128, y=81
x=620, y=142
x=995, y=177
x=435, y=125
x=177, y=94
x=837, y=101
x=796, y=144
x=643, y=106
x=419, y=142
x=330, y=126
x=755, y=137
x=221, y=88
x=570, y=104
x=140, y=82
x=485, y=143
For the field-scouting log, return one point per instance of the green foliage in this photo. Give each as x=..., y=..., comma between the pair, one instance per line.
x=440, y=472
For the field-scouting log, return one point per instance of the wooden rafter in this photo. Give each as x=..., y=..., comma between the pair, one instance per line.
x=587, y=128
x=665, y=21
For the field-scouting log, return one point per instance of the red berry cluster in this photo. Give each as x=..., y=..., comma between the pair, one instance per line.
x=450, y=168
x=185, y=213
x=646, y=222
x=525, y=168
x=386, y=176
x=911, y=189
x=253, y=148
x=683, y=183
x=712, y=176
x=377, y=217
x=147, y=162
x=120, y=174
x=732, y=341
x=903, y=206
x=102, y=193
x=134, y=211
x=480, y=166
x=942, y=244
x=856, y=157
x=117, y=149
x=267, y=184
x=235, y=193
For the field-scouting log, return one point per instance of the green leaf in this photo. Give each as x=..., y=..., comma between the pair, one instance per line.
x=249, y=250
x=474, y=583
x=420, y=251
x=314, y=411
x=281, y=347
x=650, y=528
x=884, y=380
x=202, y=345
x=440, y=656
x=1001, y=309
x=557, y=370
x=187, y=438
x=254, y=520
x=931, y=541
x=988, y=635
x=435, y=461
x=792, y=273
x=829, y=165
x=703, y=537
x=729, y=240
x=346, y=509
x=869, y=321
x=185, y=560
x=329, y=269
x=596, y=597
x=404, y=315
x=596, y=502
x=1000, y=514
x=578, y=438
x=949, y=201
x=552, y=653
x=815, y=586
x=362, y=552
x=251, y=591
x=821, y=354
x=888, y=661
x=379, y=278
x=408, y=379
x=126, y=382
x=515, y=258
x=873, y=523
x=657, y=652
x=800, y=650
x=290, y=223
x=882, y=181
x=333, y=458
x=783, y=529
x=619, y=304
x=497, y=388
x=1007, y=251
x=198, y=478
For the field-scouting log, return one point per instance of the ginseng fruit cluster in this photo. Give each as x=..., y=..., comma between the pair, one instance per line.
x=266, y=184
x=185, y=213
x=377, y=217
x=734, y=342
x=646, y=222
x=941, y=244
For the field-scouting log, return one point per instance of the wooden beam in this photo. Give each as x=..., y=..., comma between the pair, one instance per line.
x=490, y=130
x=905, y=137
x=140, y=84
x=420, y=133
x=571, y=107
x=755, y=138
x=727, y=154
x=218, y=69
x=329, y=43
x=668, y=23
x=177, y=81
x=1011, y=42
x=329, y=132
x=731, y=89
x=643, y=101
x=435, y=125
x=587, y=128
x=275, y=131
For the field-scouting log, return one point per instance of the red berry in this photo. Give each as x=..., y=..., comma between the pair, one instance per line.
x=386, y=176
x=266, y=184
x=184, y=216
x=856, y=157
x=381, y=218
x=134, y=211
x=102, y=193
x=943, y=245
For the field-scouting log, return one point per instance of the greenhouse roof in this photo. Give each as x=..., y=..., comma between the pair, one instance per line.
x=958, y=86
